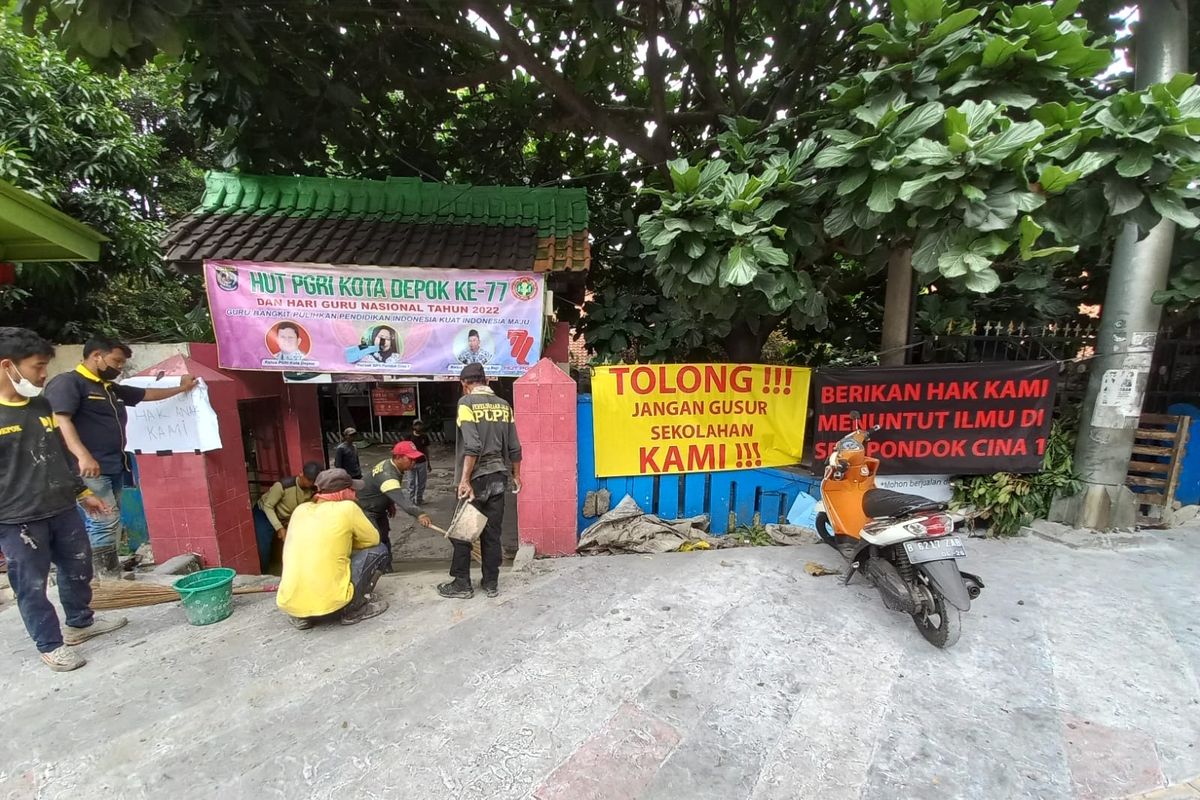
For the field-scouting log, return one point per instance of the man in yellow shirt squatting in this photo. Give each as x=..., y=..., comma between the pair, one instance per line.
x=332, y=557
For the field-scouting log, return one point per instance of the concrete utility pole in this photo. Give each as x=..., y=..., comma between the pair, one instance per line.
x=1129, y=319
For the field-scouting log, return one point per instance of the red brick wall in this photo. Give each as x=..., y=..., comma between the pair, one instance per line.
x=544, y=402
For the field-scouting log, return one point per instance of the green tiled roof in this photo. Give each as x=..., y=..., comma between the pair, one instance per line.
x=553, y=212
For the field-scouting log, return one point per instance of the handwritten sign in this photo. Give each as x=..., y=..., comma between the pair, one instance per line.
x=185, y=423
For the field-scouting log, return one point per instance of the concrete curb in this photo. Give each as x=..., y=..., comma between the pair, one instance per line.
x=1184, y=790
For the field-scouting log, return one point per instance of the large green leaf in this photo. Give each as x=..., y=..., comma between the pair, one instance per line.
x=929, y=248
x=1122, y=195
x=997, y=212
x=1089, y=162
x=1171, y=207
x=739, y=267
x=970, y=118
x=983, y=281
x=1010, y=96
x=684, y=177
x=834, y=156
x=853, y=180
x=1055, y=180
x=929, y=152
x=839, y=220
x=768, y=253
x=1062, y=148
x=917, y=121
x=767, y=211
x=704, y=271
x=911, y=187
x=884, y=191
x=999, y=51
x=923, y=11
x=998, y=147
x=950, y=24
x=1189, y=102
x=1136, y=161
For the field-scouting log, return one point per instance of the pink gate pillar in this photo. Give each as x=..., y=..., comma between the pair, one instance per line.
x=547, y=507
x=200, y=503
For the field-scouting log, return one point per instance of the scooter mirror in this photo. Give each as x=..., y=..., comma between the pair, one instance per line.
x=855, y=417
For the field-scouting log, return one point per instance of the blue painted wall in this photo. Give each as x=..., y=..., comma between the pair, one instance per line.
x=742, y=493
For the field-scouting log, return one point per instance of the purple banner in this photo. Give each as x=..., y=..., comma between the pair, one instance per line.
x=374, y=320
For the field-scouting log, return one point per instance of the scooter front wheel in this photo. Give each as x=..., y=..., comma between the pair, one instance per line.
x=823, y=529
x=942, y=625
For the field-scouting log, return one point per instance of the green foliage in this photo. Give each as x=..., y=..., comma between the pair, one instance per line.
x=111, y=152
x=733, y=234
x=154, y=308
x=982, y=141
x=753, y=536
x=1007, y=502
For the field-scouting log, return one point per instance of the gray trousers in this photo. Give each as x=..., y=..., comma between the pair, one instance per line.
x=365, y=568
x=418, y=476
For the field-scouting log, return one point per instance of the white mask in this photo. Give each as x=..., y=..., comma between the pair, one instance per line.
x=23, y=385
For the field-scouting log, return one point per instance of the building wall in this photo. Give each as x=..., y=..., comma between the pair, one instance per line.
x=67, y=356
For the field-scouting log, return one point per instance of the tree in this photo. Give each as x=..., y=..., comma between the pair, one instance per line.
x=980, y=150
x=545, y=90
x=111, y=152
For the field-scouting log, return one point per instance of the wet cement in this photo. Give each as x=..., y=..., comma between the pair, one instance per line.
x=723, y=675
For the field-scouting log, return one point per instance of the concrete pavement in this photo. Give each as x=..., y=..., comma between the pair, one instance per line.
x=719, y=675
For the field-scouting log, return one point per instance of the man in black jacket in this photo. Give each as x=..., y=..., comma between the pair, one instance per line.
x=39, y=523
x=346, y=455
x=488, y=449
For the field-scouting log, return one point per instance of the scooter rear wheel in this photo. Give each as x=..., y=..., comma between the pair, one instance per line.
x=942, y=626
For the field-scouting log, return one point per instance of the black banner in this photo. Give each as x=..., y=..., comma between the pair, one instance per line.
x=942, y=419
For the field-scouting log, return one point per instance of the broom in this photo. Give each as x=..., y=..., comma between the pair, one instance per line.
x=131, y=594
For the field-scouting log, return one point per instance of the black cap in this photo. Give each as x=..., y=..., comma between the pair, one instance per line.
x=472, y=372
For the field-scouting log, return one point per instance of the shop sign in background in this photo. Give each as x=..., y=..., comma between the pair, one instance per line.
x=665, y=419
x=374, y=320
x=947, y=419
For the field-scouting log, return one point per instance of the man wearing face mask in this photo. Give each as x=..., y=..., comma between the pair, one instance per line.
x=39, y=525
x=90, y=411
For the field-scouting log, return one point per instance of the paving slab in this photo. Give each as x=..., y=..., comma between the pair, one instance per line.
x=723, y=675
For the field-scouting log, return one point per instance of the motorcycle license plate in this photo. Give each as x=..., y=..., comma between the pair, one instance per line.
x=935, y=549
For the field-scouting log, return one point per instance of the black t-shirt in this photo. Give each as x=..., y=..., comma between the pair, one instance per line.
x=421, y=442
x=37, y=481
x=97, y=408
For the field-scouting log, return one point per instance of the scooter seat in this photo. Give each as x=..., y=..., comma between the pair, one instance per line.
x=886, y=504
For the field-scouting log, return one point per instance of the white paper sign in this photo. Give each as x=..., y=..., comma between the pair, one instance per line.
x=185, y=423
x=932, y=487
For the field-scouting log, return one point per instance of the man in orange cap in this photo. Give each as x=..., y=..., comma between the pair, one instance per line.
x=383, y=487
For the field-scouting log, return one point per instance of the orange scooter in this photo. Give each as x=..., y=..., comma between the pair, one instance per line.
x=904, y=544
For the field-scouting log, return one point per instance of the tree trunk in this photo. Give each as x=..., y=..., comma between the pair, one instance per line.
x=897, y=308
x=745, y=345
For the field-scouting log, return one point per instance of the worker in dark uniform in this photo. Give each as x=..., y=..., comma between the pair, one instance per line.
x=39, y=526
x=346, y=455
x=383, y=491
x=488, y=452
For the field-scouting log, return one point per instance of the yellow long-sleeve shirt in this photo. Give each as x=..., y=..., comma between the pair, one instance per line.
x=316, y=557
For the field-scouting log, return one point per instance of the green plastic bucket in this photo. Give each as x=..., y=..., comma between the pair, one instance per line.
x=207, y=595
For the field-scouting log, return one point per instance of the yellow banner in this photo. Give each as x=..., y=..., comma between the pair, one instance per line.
x=665, y=419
